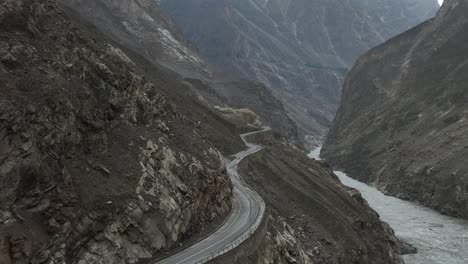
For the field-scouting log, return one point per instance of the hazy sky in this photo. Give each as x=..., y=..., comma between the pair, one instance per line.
x=441, y=1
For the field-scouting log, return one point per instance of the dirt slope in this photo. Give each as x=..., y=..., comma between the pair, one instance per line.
x=312, y=217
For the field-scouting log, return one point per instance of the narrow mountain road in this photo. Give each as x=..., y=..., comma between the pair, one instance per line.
x=247, y=213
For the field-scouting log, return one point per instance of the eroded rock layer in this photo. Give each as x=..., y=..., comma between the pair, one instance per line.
x=403, y=120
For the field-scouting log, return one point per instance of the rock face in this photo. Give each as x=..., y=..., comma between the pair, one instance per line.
x=97, y=165
x=312, y=217
x=300, y=49
x=141, y=26
x=403, y=120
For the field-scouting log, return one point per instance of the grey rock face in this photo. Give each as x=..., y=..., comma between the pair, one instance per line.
x=300, y=49
x=97, y=165
x=257, y=97
x=403, y=120
x=140, y=25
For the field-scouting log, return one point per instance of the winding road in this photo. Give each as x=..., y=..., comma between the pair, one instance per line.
x=247, y=212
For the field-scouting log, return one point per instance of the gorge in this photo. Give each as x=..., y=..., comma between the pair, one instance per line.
x=438, y=238
x=120, y=124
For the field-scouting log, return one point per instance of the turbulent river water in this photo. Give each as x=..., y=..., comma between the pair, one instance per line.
x=440, y=239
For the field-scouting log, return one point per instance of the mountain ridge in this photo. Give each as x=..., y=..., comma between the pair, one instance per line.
x=301, y=50
x=143, y=27
x=401, y=124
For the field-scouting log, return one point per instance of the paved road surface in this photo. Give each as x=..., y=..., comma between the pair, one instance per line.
x=247, y=210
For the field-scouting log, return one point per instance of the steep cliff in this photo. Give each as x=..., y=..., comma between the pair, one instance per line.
x=97, y=164
x=141, y=26
x=402, y=123
x=300, y=49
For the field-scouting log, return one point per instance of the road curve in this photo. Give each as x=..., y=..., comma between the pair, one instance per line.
x=246, y=215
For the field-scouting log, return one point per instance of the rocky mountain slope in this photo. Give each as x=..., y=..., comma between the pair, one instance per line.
x=97, y=163
x=312, y=217
x=141, y=26
x=403, y=120
x=300, y=49
x=109, y=157
x=247, y=95
x=257, y=97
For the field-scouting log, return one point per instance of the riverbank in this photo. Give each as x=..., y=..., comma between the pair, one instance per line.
x=439, y=239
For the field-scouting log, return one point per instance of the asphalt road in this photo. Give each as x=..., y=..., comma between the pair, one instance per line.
x=247, y=209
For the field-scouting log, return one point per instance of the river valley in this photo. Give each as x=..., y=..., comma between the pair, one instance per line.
x=439, y=239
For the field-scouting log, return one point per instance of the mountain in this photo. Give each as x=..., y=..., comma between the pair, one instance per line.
x=99, y=161
x=142, y=27
x=108, y=156
x=402, y=123
x=300, y=49
x=312, y=217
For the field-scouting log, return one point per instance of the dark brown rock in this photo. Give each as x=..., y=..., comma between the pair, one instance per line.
x=75, y=100
x=312, y=217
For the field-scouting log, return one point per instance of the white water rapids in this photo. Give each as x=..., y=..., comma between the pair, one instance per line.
x=439, y=239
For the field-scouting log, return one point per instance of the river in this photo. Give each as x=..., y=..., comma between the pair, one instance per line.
x=440, y=239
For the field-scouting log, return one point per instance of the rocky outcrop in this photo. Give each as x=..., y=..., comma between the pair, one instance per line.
x=243, y=116
x=97, y=164
x=274, y=242
x=402, y=123
x=282, y=245
x=300, y=49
